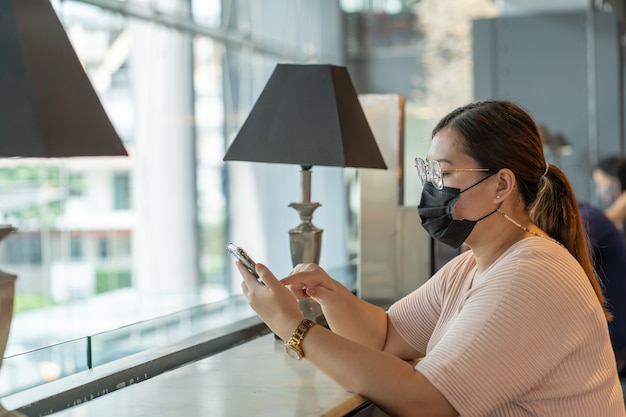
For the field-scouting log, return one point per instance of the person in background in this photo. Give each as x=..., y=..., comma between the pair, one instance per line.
x=513, y=327
x=609, y=249
x=609, y=177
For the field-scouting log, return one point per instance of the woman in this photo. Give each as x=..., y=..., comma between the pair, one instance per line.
x=609, y=177
x=513, y=327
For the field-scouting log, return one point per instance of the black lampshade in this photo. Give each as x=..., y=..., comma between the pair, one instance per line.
x=48, y=107
x=307, y=115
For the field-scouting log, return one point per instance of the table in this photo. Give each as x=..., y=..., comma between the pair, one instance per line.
x=255, y=378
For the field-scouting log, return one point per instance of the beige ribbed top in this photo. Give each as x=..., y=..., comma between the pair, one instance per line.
x=526, y=338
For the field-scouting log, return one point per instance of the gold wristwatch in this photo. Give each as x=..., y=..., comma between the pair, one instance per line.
x=292, y=346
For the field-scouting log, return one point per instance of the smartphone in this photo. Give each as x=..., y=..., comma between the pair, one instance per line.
x=243, y=256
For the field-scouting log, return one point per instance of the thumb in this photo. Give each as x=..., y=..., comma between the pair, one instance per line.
x=266, y=276
x=319, y=294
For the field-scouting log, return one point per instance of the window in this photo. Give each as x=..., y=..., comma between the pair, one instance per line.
x=121, y=191
x=76, y=249
x=147, y=233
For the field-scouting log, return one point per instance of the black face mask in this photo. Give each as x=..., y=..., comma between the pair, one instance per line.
x=436, y=209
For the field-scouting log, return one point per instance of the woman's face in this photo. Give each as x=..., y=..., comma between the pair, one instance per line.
x=607, y=187
x=446, y=148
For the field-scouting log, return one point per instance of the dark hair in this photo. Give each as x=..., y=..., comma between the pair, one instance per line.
x=615, y=166
x=500, y=134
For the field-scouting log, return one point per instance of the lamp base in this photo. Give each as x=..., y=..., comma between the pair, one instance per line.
x=305, y=240
x=306, y=244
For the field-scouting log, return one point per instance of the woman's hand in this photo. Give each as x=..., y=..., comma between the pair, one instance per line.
x=271, y=300
x=311, y=281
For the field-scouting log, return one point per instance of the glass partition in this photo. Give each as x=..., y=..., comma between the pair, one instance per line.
x=24, y=370
x=39, y=366
x=29, y=369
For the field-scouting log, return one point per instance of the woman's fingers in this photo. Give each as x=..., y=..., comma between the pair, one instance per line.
x=266, y=276
x=311, y=281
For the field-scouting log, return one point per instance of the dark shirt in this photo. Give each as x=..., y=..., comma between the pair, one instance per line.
x=609, y=248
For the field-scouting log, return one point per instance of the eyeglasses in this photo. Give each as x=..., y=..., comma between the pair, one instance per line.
x=432, y=172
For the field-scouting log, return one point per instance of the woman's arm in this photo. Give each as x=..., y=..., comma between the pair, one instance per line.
x=387, y=380
x=346, y=314
x=357, y=320
x=391, y=383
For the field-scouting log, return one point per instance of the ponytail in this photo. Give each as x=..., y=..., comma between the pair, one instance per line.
x=555, y=210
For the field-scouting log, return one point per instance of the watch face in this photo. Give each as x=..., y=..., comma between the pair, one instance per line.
x=293, y=352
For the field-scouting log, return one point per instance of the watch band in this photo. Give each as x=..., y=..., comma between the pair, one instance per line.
x=292, y=346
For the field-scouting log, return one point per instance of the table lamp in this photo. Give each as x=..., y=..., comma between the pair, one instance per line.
x=307, y=115
x=48, y=108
